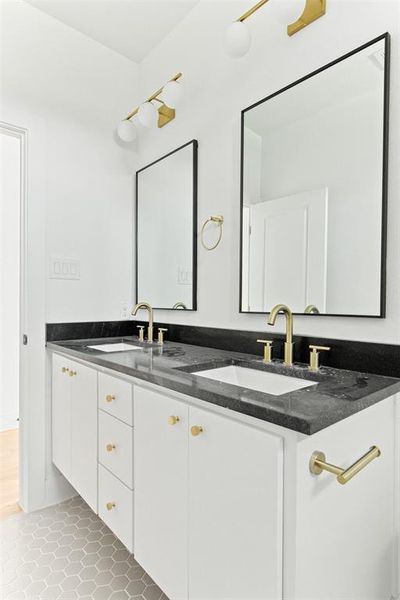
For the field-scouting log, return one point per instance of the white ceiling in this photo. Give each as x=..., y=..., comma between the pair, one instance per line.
x=131, y=27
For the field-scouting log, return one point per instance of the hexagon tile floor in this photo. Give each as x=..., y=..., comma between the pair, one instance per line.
x=66, y=552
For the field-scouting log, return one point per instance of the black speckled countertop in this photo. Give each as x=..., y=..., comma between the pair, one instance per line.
x=337, y=395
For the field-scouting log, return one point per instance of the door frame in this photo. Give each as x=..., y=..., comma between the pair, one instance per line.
x=21, y=134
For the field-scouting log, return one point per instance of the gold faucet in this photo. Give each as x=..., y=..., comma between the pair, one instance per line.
x=288, y=360
x=147, y=306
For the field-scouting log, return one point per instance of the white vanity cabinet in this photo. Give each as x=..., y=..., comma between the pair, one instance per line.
x=217, y=505
x=74, y=425
x=208, y=502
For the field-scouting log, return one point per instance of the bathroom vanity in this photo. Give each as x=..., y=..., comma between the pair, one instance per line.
x=207, y=479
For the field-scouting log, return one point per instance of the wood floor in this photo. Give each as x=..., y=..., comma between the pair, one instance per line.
x=9, y=473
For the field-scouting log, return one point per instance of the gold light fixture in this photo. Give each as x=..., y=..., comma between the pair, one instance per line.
x=149, y=114
x=238, y=38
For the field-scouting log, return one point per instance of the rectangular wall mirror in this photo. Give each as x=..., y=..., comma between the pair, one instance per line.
x=166, y=230
x=313, y=190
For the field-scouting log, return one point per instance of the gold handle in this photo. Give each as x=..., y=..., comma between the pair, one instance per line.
x=110, y=505
x=314, y=356
x=160, y=339
x=65, y=370
x=110, y=398
x=318, y=464
x=110, y=447
x=71, y=373
x=267, y=350
x=196, y=430
x=172, y=420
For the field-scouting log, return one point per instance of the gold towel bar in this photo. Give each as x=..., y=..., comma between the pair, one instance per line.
x=318, y=464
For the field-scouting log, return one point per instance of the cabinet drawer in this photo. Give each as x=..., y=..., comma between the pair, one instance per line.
x=116, y=507
x=115, y=397
x=116, y=447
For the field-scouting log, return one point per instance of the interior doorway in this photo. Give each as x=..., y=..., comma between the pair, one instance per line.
x=10, y=293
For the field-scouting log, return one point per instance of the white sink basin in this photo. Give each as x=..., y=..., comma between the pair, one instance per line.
x=262, y=381
x=116, y=347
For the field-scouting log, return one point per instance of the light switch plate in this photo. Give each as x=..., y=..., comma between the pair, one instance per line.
x=64, y=268
x=184, y=276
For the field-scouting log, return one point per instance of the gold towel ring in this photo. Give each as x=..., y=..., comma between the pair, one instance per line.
x=218, y=219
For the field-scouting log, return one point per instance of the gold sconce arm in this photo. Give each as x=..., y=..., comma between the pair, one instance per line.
x=152, y=97
x=318, y=464
x=252, y=10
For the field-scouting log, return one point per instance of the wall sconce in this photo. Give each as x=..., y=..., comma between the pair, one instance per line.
x=238, y=38
x=150, y=115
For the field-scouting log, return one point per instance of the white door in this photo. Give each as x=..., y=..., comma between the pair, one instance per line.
x=160, y=481
x=288, y=252
x=61, y=415
x=235, y=511
x=84, y=432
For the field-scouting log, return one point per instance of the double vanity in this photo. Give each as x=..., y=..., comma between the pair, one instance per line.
x=224, y=474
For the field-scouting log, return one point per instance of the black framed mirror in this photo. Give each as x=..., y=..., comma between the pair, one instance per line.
x=314, y=160
x=166, y=230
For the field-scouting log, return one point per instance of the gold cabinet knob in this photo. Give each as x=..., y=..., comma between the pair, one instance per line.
x=110, y=505
x=65, y=370
x=173, y=420
x=110, y=397
x=196, y=430
x=71, y=373
x=110, y=447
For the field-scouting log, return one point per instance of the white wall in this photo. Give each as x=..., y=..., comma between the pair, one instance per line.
x=9, y=279
x=68, y=92
x=217, y=88
x=80, y=89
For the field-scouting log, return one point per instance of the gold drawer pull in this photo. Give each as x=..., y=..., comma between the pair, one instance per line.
x=110, y=397
x=196, y=430
x=72, y=373
x=173, y=420
x=110, y=447
x=65, y=370
x=318, y=464
x=110, y=505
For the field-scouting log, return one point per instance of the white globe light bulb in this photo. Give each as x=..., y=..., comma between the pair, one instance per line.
x=148, y=114
x=237, y=39
x=126, y=131
x=172, y=94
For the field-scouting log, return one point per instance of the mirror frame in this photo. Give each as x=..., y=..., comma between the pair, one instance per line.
x=194, y=143
x=385, y=148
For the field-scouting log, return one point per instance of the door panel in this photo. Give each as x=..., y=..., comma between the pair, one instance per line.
x=235, y=511
x=84, y=433
x=288, y=252
x=160, y=467
x=61, y=415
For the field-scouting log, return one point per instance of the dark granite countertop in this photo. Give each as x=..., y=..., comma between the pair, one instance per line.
x=337, y=395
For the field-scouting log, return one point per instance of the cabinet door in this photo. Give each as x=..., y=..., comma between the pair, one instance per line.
x=84, y=433
x=61, y=415
x=235, y=511
x=160, y=483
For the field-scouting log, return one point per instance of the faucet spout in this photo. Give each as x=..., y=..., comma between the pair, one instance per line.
x=149, y=309
x=282, y=308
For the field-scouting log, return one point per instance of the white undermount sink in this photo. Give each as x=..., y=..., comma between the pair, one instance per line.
x=116, y=347
x=262, y=381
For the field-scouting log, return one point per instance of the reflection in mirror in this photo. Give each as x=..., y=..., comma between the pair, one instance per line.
x=166, y=225
x=314, y=191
